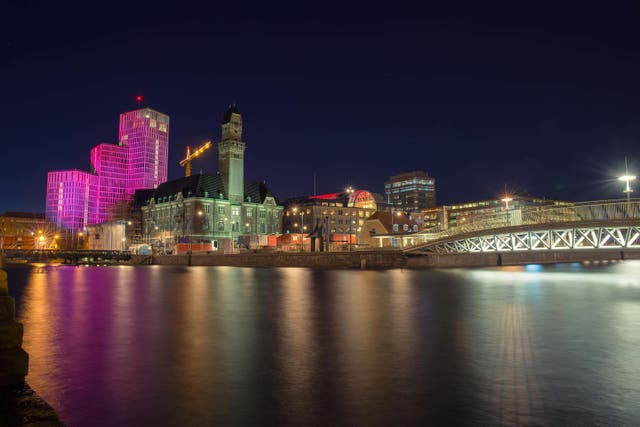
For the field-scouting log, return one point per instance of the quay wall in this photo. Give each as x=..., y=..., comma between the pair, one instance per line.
x=360, y=259
x=383, y=259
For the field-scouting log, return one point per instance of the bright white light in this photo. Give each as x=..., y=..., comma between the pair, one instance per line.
x=627, y=178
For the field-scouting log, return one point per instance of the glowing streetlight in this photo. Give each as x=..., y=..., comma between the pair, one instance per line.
x=627, y=179
x=506, y=200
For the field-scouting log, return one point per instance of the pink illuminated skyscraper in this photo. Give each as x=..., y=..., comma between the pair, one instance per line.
x=71, y=196
x=76, y=199
x=145, y=133
x=109, y=163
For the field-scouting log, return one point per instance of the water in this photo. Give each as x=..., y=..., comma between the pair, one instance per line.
x=239, y=346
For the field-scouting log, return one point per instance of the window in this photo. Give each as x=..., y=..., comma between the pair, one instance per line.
x=221, y=210
x=262, y=214
x=234, y=226
x=220, y=225
x=415, y=227
x=262, y=228
x=249, y=212
x=235, y=210
x=395, y=227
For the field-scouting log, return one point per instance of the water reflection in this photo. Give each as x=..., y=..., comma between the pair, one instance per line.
x=239, y=346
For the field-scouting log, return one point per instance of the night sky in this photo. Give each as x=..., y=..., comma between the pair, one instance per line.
x=544, y=100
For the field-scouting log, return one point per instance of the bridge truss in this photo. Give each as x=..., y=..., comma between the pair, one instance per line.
x=570, y=238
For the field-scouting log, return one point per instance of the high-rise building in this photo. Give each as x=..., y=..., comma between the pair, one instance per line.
x=411, y=191
x=109, y=163
x=145, y=134
x=71, y=197
x=76, y=199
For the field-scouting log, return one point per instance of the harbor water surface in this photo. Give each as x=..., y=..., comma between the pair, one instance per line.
x=195, y=346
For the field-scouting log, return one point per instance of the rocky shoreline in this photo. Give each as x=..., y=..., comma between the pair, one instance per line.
x=23, y=407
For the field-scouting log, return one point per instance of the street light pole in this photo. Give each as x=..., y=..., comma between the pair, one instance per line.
x=301, y=230
x=627, y=178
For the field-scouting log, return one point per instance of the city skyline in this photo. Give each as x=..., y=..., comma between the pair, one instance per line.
x=544, y=102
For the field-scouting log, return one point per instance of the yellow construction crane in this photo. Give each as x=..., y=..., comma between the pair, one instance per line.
x=186, y=162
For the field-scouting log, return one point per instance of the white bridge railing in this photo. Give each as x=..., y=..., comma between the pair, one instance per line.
x=599, y=211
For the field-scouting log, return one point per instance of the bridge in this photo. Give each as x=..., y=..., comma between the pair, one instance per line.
x=586, y=226
x=68, y=256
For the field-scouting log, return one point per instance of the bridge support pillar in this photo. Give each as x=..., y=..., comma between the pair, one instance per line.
x=14, y=361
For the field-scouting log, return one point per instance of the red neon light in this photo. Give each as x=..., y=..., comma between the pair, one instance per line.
x=328, y=196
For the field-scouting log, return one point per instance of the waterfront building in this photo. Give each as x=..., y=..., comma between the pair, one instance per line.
x=213, y=212
x=25, y=230
x=383, y=223
x=71, y=196
x=109, y=164
x=334, y=219
x=145, y=135
x=411, y=191
x=76, y=199
x=454, y=215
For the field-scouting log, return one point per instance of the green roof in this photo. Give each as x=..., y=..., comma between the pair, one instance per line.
x=202, y=185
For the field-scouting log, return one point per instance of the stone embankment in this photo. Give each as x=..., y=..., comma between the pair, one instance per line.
x=19, y=405
x=384, y=259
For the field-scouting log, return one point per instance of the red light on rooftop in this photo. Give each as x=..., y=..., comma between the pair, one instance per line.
x=139, y=98
x=329, y=196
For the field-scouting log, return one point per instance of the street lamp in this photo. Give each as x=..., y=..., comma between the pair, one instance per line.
x=506, y=199
x=302, y=230
x=627, y=179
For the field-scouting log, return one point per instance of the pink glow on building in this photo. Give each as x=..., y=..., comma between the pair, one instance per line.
x=71, y=196
x=145, y=133
x=76, y=199
x=109, y=162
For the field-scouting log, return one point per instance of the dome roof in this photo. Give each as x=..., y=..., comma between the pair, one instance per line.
x=227, y=116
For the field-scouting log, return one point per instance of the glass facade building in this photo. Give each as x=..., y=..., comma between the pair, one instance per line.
x=145, y=134
x=411, y=191
x=76, y=198
x=71, y=198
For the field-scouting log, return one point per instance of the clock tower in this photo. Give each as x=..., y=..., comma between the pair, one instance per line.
x=231, y=155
